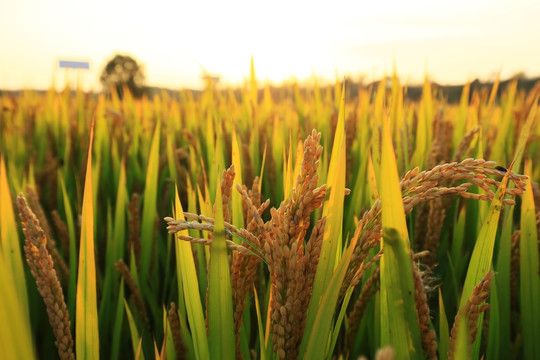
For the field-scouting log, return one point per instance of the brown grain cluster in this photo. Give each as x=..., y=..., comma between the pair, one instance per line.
x=280, y=242
x=244, y=266
x=430, y=216
x=427, y=334
x=59, y=263
x=136, y=295
x=422, y=186
x=174, y=323
x=227, y=180
x=42, y=268
x=470, y=313
x=292, y=261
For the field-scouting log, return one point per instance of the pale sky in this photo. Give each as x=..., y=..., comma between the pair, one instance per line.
x=450, y=41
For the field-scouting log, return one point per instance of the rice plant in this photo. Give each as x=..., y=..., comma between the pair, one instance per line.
x=298, y=223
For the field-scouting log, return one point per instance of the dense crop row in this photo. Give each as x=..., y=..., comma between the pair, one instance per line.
x=308, y=226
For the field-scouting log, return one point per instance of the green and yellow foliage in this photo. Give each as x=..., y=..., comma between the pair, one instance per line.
x=272, y=224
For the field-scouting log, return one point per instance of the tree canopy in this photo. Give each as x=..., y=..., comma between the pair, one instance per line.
x=123, y=71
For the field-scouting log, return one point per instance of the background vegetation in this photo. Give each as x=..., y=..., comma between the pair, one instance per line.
x=359, y=222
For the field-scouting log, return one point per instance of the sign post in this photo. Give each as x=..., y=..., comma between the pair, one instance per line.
x=71, y=64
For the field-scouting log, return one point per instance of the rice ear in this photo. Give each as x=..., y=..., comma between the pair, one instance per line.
x=42, y=268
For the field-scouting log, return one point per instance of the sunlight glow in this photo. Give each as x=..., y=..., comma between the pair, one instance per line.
x=177, y=41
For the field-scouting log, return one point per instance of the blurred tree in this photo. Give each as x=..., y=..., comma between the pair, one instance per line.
x=123, y=71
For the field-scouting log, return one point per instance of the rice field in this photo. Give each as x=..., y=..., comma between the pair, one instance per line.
x=310, y=225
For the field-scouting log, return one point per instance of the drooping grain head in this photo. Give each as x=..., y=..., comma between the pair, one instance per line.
x=42, y=268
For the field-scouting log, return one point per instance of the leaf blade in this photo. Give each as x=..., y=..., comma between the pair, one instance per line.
x=529, y=277
x=399, y=326
x=220, y=308
x=86, y=317
x=189, y=284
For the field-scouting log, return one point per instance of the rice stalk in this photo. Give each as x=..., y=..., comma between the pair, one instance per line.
x=244, y=267
x=60, y=264
x=42, y=268
x=419, y=187
x=179, y=347
x=280, y=242
x=198, y=129
x=134, y=239
x=470, y=313
x=138, y=301
x=427, y=334
x=227, y=180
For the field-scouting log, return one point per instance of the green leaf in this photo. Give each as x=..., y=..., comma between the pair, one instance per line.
x=149, y=205
x=118, y=320
x=237, y=214
x=529, y=276
x=500, y=312
x=220, y=309
x=288, y=171
x=444, y=335
x=462, y=347
x=15, y=336
x=316, y=346
x=333, y=210
x=135, y=338
x=482, y=255
x=189, y=286
x=114, y=251
x=339, y=320
x=86, y=319
x=459, y=130
x=504, y=128
x=399, y=324
x=262, y=350
x=73, y=263
x=494, y=349
x=10, y=250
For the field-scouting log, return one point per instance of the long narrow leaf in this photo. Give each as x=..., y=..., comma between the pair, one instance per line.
x=332, y=237
x=399, y=324
x=482, y=254
x=262, y=346
x=220, y=309
x=529, y=277
x=73, y=263
x=86, y=319
x=118, y=320
x=15, y=335
x=237, y=216
x=136, y=340
x=10, y=250
x=444, y=334
x=316, y=346
x=188, y=282
x=149, y=205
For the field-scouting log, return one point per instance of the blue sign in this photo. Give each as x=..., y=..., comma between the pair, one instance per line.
x=74, y=64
